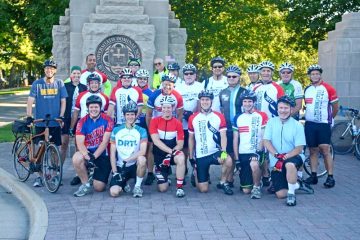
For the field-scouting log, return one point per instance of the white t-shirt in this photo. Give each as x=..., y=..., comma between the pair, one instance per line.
x=215, y=86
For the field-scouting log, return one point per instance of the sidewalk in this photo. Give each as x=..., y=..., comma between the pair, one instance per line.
x=328, y=214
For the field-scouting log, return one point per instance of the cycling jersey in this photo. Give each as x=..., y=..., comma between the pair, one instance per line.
x=267, y=97
x=215, y=86
x=155, y=98
x=284, y=136
x=318, y=100
x=292, y=89
x=106, y=85
x=170, y=131
x=249, y=126
x=190, y=95
x=81, y=102
x=251, y=86
x=121, y=96
x=73, y=92
x=146, y=93
x=127, y=142
x=207, y=128
x=94, y=131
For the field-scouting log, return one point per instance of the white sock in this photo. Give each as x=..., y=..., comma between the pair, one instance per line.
x=138, y=181
x=292, y=188
x=300, y=174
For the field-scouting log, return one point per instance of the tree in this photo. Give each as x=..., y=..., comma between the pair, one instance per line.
x=313, y=19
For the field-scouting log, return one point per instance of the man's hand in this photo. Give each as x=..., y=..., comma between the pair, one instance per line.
x=166, y=161
x=280, y=156
x=175, y=152
x=29, y=120
x=117, y=177
x=91, y=162
x=237, y=165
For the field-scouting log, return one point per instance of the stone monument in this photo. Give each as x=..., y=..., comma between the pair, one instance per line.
x=115, y=30
x=339, y=56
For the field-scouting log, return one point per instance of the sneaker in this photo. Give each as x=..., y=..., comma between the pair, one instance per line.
x=192, y=180
x=304, y=187
x=255, y=193
x=311, y=180
x=137, y=192
x=38, y=182
x=330, y=182
x=83, y=190
x=265, y=181
x=227, y=190
x=231, y=184
x=127, y=188
x=149, y=179
x=291, y=200
x=180, y=193
x=75, y=181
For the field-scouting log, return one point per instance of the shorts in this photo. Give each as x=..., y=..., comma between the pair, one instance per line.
x=103, y=169
x=129, y=172
x=66, y=128
x=317, y=133
x=203, y=166
x=246, y=179
x=55, y=133
x=278, y=179
x=230, y=139
x=162, y=173
x=186, y=138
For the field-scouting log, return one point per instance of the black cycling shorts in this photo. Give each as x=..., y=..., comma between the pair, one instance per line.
x=246, y=179
x=186, y=138
x=230, y=140
x=55, y=133
x=278, y=179
x=161, y=172
x=317, y=133
x=129, y=172
x=103, y=169
x=203, y=166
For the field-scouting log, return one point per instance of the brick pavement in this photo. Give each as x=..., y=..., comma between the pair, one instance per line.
x=328, y=214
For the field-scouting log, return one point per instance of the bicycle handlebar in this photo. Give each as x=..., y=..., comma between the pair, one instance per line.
x=352, y=110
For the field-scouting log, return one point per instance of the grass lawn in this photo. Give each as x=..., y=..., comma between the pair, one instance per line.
x=14, y=90
x=6, y=134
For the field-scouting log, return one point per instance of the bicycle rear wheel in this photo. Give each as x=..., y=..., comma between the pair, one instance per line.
x=321, y=170
x=357, y=147
x=52, y=168
x=21, y=160
x=341, y=138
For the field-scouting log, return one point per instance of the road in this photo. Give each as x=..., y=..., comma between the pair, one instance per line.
x=12, y=107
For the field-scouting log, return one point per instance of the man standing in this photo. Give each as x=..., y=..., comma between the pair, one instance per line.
x=160, y=71
x=321, y=108
x=91, y=69
x=49, y=95
x=134, y=65
x=253, y=73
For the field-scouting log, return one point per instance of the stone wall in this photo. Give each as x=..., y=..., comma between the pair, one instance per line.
x=339, y=56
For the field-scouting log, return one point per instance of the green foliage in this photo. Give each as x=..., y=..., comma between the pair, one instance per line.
x=241, y=31
x=6, y=134
x=312, y=19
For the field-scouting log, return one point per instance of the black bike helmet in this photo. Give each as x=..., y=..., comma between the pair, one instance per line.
x=130, y=107
x=168, y=77
x=205, y=93
x=286, y=99
x=313, y=68
x=217, y=59
x=93, y=99
x=173, y=66
x=248, y=95
x=93, y=77
x=50, y=63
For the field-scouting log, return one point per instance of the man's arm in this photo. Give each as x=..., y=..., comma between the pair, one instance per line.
x=156, y=140
x=74, y=118
x=335, y=109
x=179, y=145
x=113, y=157
x=103, y=145
x=110, y=110
x=236, y=144
x=141, y=152
x=139, y=111
x=268, y=145
x=179, y=114
x=80, y=142
x=297, y=107
x=62, y=107
x=29, y=104
x=223, y=140
x=149, y=113
x=191, y=145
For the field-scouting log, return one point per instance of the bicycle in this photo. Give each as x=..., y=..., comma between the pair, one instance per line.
x=46, y=159
x=345, y=135
x=321, y=162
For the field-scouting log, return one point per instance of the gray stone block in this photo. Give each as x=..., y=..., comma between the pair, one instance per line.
x=355, y=45
x=351, y=16
x=326, y=47
x=174, y=23
x=137, y=10
x=343, y=60
x=343, y=45
x=76, y=55
x=355, y=60
x=353, y=23
x=354, y=74
x=341, y=74
x=177, y=49
x=354, y=89
x=76, y=22
x=119, y=19
x=177, y=35
x=119, y=2
x=67, y=12
x=342, y=88
x=156, y=8
x=64, y=20
x=171, y=14
x=79, y=8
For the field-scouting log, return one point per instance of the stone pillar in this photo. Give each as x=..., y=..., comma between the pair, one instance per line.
x=339, y=56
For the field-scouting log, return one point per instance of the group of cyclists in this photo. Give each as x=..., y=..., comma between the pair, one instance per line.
x=135, y=130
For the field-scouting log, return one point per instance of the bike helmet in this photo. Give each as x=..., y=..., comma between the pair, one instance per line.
x=167, y=100
x=248, y=95
x=126, y=72
x=130, y=107
x=93, y=77
x=142, y=73
x=173, y=66
x=266, y=64
x=168, y=77
x=50, y=63
x=205, y=93
x=93, y=99
x=189, y=68
x=286, y=65
x=286, y=99
x=135, y=61
x=253, y=68
x=234, y=69
x=217, y=59
x=314, y=67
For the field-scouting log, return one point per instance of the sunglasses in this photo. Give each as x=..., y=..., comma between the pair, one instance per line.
x=188, y=73
x=159, y=63
x=142, y=79
x=218, y=66
x=126, y=78
x=134, y=65
x=232, y=76
x=286, y=72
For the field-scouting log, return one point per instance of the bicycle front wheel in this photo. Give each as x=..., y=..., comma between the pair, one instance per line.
x=21, y=160
x=321, y=169
x=341, y=138
x=52, y=168
x=357, y=147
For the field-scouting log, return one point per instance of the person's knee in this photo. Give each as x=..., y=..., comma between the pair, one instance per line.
x=99, y=186
x=78, y=159
x=281, y=193
x=180, y=160
x=203, y=187
x=246, y=190
x=254, y=164
x=290, y=166
x=141, y=161
x=163, y=187
x=115, y=191
x=228, y=162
